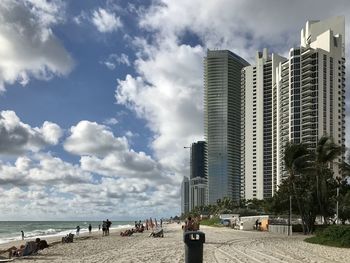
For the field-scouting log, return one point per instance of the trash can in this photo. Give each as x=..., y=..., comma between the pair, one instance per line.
x=194, y=246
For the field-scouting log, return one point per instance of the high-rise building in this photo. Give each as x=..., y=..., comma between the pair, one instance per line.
x=198, y=180
x=316, y=77
x=198, y=160
x=259, y=115
x=185, y=195
x=299, y=99
x=222, y=106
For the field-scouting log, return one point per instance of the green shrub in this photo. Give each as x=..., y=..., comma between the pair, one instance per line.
x=214, y=221
x=335, y=235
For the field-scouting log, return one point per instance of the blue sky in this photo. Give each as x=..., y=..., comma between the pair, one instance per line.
x=98, y=98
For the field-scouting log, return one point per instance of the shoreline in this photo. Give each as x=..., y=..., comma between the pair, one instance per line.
x=83, y=231
x=53, y=240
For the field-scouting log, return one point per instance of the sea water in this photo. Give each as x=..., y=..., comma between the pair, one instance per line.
x=11, y=230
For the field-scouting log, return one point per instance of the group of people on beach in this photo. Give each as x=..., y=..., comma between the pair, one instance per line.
x=150, y=224
x=30, y=248
x=191, y=224
x=105, y=227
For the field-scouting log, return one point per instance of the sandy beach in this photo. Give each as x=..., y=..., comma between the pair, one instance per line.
x=222, y=245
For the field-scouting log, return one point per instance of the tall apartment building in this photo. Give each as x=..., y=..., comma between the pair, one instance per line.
x=299, y=99
x=198, y=180
x=185, y=195
x=222, y=106
x=259, y=115
x=315, y=73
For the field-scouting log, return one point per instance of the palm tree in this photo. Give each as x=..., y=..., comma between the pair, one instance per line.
x=326, y=152
x=296, y=160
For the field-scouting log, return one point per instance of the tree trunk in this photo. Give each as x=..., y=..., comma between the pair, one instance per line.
x=320, y=204
x=301, y=211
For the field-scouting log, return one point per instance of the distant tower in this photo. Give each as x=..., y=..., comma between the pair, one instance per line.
x=222, y=105
x=185, y=195
x=198, y=180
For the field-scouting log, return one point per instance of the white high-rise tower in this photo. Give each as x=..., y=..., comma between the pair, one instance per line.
x=299, y=99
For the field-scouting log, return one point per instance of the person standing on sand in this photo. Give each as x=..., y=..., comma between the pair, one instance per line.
x=90, y=227
x=78, y=230
x=104, y=228
x=109, y=223
x=99, y=227
x=22, y=234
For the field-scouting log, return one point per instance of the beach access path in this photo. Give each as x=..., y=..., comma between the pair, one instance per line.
x=222, y=245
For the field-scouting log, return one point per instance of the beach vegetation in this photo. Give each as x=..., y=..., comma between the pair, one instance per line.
x=214, y=221
x=312, y=185
x=333, y=235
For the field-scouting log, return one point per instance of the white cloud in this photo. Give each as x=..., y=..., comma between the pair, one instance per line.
x=111, y=121
x=90, y=138
x=47, y=186
x=169, y=95
x=80, y=18
x=113, y=60
x=17, y=137
x=103, y=153
x=28, y=46
x=105, y=20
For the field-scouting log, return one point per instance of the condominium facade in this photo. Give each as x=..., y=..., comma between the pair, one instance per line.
x=222, y=110
x=198, y=179
x=315, y=73
x=258, y=124
x=299, y=99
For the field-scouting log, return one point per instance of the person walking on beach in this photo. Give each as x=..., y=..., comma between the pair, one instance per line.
x=22, y=234
x=109, y=223
x=99, y=227
x=78, y=230
x=104, y=228
x=90, y=227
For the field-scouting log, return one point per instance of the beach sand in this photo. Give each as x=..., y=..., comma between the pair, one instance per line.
x=222, y=245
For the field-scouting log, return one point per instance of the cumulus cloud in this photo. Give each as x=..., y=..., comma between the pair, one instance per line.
x=105, y=20
x=28, y=46
x=17, y=137
x=103, y=153
x=169, y=96
x=90, y=138
x=52, y=188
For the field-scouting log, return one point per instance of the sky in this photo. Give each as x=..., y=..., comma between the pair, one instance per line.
x=98, y=98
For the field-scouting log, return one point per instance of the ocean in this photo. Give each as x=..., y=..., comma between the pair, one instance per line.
x=11, y=230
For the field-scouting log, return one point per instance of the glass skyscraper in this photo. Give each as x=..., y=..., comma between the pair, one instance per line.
x=198, y=180
x=222, y=105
